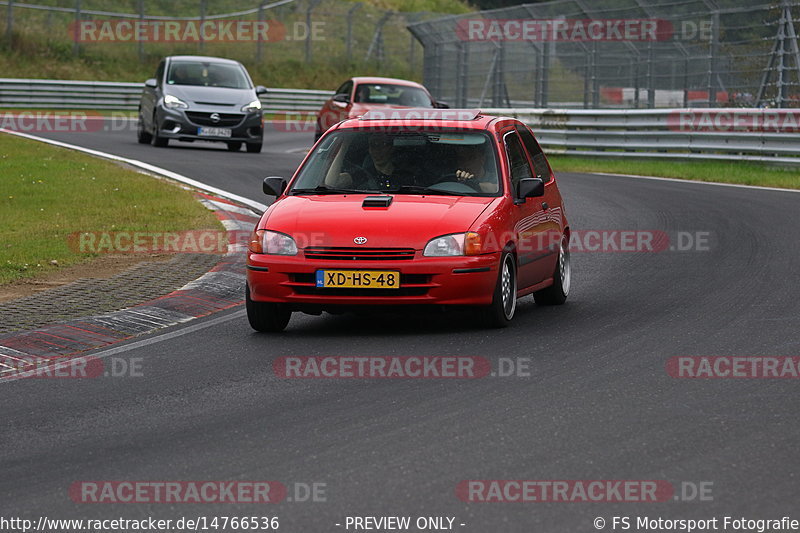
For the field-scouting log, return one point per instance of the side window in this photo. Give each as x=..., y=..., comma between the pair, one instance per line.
x=517, y=160
x=346, y=88
x=537, y=156
x=160, y=73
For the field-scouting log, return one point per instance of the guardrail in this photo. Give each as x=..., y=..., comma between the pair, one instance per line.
x=56, y=94
x=741, y=134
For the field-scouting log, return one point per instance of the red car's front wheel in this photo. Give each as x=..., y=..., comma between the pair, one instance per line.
x=504, y=302
x=266, y=317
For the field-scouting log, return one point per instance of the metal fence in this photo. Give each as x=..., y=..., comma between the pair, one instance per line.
x=766, y=135
x=64, y=94
x=617, y=54
x=761, y=135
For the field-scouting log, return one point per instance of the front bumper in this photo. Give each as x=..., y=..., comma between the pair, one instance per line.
x=423, y=280
x=184, y=124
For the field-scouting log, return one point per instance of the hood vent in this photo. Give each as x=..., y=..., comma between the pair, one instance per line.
x=377, y=201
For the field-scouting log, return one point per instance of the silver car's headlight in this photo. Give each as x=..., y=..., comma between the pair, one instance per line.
x=252, y=107
x=173, y=102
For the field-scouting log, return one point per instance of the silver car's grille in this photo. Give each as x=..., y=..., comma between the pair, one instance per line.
x=226, y=120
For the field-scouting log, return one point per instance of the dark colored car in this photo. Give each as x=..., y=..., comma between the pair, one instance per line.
x=453, y=209
x=196, y=98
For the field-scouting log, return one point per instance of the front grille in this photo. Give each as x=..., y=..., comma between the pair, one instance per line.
x=226, y=120
x=360, y=254
x=216, y=104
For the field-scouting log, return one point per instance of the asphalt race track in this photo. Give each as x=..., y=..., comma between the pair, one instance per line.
x=597, y=403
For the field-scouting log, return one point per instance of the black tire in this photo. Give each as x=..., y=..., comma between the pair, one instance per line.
x=504, y=302
x=266, y=317
x=142, y=135
x=557, y=293
x=234, y=146
x=158, y=140
x=254, y=148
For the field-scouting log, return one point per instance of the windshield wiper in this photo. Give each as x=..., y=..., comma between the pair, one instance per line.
x=416, y=189
x=324, y=189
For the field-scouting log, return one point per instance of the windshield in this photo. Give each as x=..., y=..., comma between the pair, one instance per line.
x=435, y=161
x=401, y=95
x=207, y=74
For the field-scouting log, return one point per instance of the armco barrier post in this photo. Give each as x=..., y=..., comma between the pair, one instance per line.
x=203, y=8
x=350, y=13
x=259, y=41
x=10, y=20
x=313, y=4
x=76, y=47
x=140, y=44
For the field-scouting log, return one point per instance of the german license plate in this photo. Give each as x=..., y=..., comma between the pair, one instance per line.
x=359, y=279
x=214, y=132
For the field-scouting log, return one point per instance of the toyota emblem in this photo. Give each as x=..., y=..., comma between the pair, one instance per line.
x=215, y=117
x=360, y=240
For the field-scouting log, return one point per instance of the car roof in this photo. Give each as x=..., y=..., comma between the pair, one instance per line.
x=393, y=81
x=204, y=58
x=440, y=118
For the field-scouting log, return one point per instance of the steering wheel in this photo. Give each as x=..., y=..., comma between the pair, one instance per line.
x=450, y=183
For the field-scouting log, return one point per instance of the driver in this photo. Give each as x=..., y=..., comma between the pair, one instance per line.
x=380, y=169
x=180, y=75
x=472, y=168
x=380, y=165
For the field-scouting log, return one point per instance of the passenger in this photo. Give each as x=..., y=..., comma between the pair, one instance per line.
x=471, y=167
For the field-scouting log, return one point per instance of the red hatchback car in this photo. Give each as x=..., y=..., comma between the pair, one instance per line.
x=357, y=96
x=418, y=206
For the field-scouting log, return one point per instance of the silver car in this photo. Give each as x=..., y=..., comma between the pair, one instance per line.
x=201, y=98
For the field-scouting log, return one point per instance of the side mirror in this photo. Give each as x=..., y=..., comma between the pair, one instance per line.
x=341, y=98
x=260, y=89
x=441, y=105
x=274, y=185
x=530, y=188
x=152, y=83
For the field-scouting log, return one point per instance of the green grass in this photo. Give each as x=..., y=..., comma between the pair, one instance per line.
x=48, y=193
x=433, y=6
x=42, y=48
x=718, y=171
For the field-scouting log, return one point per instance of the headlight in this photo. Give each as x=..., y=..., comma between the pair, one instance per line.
x=455, y=244
x=271, y=242
x=252, y=107
x=173, y=102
